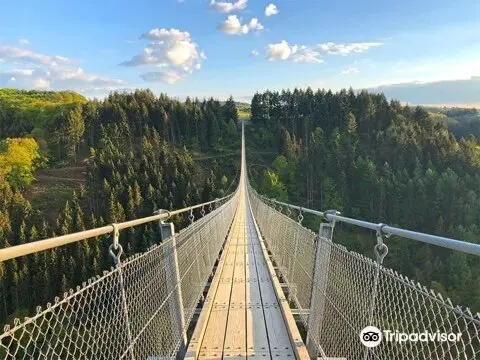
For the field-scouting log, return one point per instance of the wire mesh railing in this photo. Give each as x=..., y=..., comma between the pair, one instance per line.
x=140, y=309
x=345, y=292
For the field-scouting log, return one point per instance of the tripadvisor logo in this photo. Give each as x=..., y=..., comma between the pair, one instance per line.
x=372, y=336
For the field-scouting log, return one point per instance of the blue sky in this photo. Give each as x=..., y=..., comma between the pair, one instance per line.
x=216, y=48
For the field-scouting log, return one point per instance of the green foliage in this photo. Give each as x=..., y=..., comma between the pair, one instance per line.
x=22, y=111
x=18, y=159
x=66, y=133
x=461, y=122
x=137, y=163
x=383, y=162
x=273, y=187
x=54, y=197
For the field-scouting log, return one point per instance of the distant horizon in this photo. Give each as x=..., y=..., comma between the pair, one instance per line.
x=389, y=91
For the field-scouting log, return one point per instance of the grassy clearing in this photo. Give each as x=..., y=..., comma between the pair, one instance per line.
x=244, y=114
x=50, y=199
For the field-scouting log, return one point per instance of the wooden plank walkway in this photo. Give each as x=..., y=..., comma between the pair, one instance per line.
x=245, y=314
x=245, y=320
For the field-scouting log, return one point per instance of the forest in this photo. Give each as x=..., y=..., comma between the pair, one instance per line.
x=358, y=153
x=378, y=161
x=138, y=150
x=461, y=122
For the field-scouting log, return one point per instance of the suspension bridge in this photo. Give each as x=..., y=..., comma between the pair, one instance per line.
x=244, y=281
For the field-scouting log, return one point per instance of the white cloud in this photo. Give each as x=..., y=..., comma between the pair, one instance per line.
x=254, y=53
x=255, y=25
x=42, y=83
x=48, y=72
x=305, y=54
x=295, y=53
x=280, y=51
x=23, y=41
x=170, y=76
x=351, y=70
x=78, y=78
x=22, y=72
x=233, y=26
x=271, y=10
x=226, y=7
x=15, y=54
x=13, y=75
x=171, y=49
x=332, y=48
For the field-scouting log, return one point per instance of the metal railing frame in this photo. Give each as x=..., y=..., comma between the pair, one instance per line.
x=50, y=243
x=458, y=245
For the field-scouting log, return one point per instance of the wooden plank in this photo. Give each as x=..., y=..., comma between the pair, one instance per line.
x=235, y=334
x=246, y=320
x=299, y=348
x=215, y=333
x=277, y=333
x=198, y=335
x=257, y=340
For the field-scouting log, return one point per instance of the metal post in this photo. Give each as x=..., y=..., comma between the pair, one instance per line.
x=381, y=250
x=116, y=258
x=198, y=249
x=319, y=288
x=167, y=231
x=293, y=259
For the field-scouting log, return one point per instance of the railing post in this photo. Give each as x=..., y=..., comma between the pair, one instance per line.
x=319, y=287
x=167, y=231
x=292, y=261
x=198, y=248
x=380, y=250
x=116, y=258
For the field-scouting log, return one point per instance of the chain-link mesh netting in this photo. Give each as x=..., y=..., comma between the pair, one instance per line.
x=293, y=250
x=351, y=291
x=132, y=311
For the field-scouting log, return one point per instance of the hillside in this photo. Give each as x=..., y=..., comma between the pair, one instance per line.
x=110, y=161
x=462, y=122
x=379, y=161
x=23, y=111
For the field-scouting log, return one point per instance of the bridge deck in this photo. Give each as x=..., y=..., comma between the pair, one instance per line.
x=243, y=315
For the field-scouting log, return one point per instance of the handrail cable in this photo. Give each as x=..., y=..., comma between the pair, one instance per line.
x=50, y=243
x=463, y=246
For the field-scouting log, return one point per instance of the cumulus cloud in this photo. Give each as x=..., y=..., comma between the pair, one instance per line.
x=78, y=78
x=255, y=25
x=271, y=10
x=171, y=49
x=226, y=7
x=23, y=41
x=170, y=76
x=351, y=70
x=15, y=54
x=280, y=51
x=30, y=69
x=332, y=48
x=284, y=51
x=13, y=75
x=233, y=26
x=254, y=53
